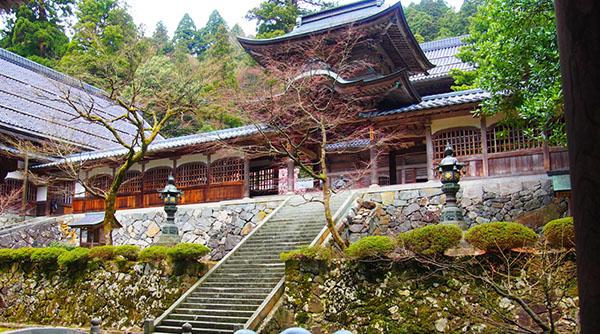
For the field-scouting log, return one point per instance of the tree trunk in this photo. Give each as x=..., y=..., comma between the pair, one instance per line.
x=578, y=24
x=327, y=198
x=109, y=217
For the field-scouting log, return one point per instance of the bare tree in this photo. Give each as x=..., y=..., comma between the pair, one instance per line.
x=153, y=92
x=305, y=109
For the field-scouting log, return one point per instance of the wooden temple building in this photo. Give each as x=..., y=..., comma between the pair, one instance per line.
x=411, y=82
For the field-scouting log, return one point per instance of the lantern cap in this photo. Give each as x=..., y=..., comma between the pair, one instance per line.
x=170, y=188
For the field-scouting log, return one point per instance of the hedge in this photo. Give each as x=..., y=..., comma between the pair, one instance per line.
x=431, y=240
x=74, y=259
x=371, y=247
x=560, y=233
x=185, y=252
x=307, y=253
x=154, y=254
x=500, y=236
x=46, y=258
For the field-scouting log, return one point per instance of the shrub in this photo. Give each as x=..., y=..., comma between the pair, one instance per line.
x=307, y=253
x=186, y=252
x=370, y=247
x=154, y=254
x=106, y=252
x=46, y=257
x=6, y=256
x=129, y=252
x=22, y=255
x=500, y=236
x=431, y=240
x=560, y=232
x=74, y=259
x=62, y=245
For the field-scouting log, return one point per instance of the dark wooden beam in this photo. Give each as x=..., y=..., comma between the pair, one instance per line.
x=578, y=24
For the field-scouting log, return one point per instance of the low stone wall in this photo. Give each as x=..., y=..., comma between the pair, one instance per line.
x=9, y=219
x=39, y=234
x=219, y=226
x=528, y=199
x=123, y=296
x=409, y=297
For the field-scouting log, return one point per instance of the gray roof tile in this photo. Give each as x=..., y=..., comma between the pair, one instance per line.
x=442, y=53
x=31, y=103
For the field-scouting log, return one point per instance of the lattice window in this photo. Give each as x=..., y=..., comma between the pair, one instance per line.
x=62, y=192
x=227, y=170
x=100, y=182
x=156, y=178
x=191, y=174
x=264, y=180
x=501, y=138
x=132, y=183
x=465, y=141
x=10, y=186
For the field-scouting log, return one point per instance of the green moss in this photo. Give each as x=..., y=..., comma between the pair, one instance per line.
x=307, y=253
x=431, y=240
x=75, y=259
x=500, y=236
x=62, y=245
x=560, y=233
x=46, y=258
x=154, y=254
x=187, y=252
x=371, y=247
x=129, y=252
x=105, y=253
x=22, y=255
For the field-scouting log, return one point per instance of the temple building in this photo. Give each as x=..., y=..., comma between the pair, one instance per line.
x=411, y=83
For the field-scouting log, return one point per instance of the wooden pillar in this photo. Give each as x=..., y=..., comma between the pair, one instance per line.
x=290, y=176
x=392, y=166
x=429, y=152
x=373, y=164
x=25, y=184
x=246, y=189
x=484, y=146
x=546, y=154
x=85, y=195
x=143, y=176
x=578, y=23
x=174, y=169
x=208, y=177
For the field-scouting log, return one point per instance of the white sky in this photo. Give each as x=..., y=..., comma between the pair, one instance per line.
x=149, y=12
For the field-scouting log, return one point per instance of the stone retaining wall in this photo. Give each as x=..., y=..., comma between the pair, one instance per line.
x=529, y=200
x=220, y=227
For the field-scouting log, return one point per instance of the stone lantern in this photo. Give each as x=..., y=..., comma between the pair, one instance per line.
x=450, y=169
x=170, y=195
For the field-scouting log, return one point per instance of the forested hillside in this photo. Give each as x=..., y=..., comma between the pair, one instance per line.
x=106, y=48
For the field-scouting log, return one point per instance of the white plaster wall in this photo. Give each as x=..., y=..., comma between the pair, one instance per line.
x=100, y=171
x=15, y=175
x=79, y=190
x=159, y=163
x=41, y=194
x=454, y=122
x=227, y=153
x=191, y=158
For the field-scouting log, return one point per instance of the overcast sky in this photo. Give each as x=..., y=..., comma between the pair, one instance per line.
x=149, y=12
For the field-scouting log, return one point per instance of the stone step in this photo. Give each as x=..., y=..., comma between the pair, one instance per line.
x=283, y=235
x=246, y=300
x=215, y=312
x=225, y=295
x=217, y=306
x=201, y=317
x=235, y=279
x=201, y=324
x=251, y=283
x=250, y=261
x=233, y=289
x=172, y=330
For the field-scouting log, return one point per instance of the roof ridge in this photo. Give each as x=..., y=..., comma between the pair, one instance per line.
x=49, y=72
x=443, y=43
x=353, y=5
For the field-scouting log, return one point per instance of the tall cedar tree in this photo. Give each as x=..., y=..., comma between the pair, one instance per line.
x=160, y=39
x=187, y=37
x=35, y=29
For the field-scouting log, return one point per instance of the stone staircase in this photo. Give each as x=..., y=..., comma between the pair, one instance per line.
x=234, y=291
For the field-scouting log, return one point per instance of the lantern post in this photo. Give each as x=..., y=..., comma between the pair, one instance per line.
x=170, y=195
x=450, y=169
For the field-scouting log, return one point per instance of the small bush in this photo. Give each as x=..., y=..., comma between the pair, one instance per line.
x=129, y=252
x=431, y=240
x=74, y=259
x=6, y=256
x=560, y=232
x=154, y=254
x=370, y=247
x=187, y=252
x=46, y=258
x=105, y=253
x=62, y=245
x=500, y=236
x=22, y=255
x=307, y=253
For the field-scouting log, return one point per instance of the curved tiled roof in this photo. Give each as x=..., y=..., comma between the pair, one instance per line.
x=442, y=53
x=31, y=103
x=435, y=101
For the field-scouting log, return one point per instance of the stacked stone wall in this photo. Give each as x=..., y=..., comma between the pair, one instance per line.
x=529, y=200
